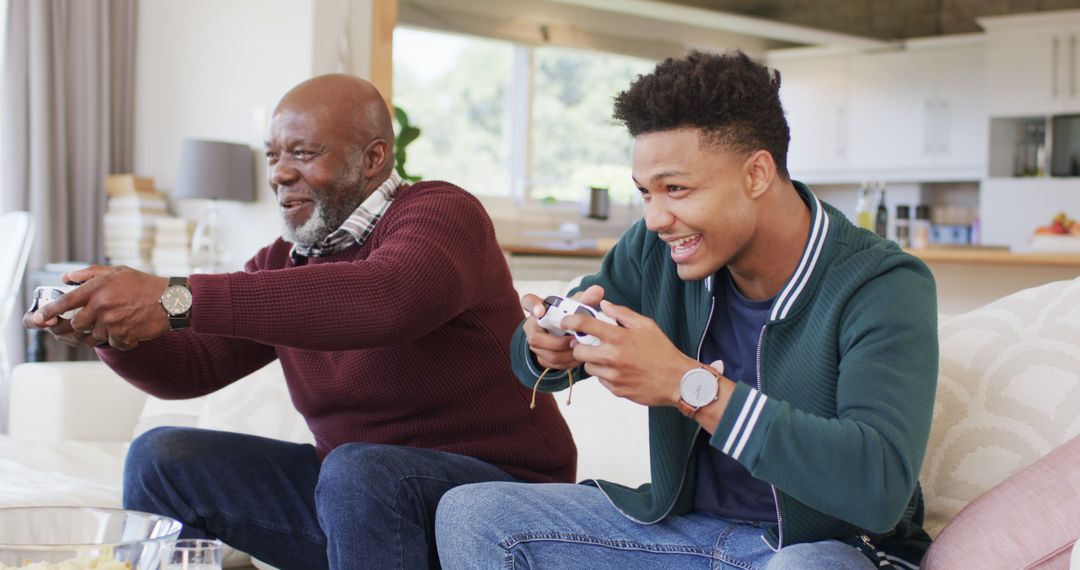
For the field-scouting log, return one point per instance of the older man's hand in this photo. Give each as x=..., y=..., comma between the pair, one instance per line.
x=120, y=306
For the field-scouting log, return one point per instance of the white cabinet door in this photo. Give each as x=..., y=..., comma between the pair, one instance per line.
x=1066, y=43
x=814, y=94
x=958, y=126
x=1023, y=69
x=909, y=115
x=891, y=110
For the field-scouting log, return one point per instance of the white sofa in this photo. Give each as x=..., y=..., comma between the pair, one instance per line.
x=1008, y=394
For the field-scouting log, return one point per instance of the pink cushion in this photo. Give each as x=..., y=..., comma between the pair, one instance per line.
x=1030, y=520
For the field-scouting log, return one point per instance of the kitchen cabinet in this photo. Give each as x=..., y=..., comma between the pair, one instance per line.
x=890, y=111
x=957, y=121
x=915, y=114
x=1033, y=63
x=814, y=92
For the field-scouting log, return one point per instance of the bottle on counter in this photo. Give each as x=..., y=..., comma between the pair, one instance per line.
x=864, y=216
x=920, y=228
x=903, y=225
x=881, y=220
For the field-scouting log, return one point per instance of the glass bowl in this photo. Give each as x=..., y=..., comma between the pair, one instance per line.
x=40, y=538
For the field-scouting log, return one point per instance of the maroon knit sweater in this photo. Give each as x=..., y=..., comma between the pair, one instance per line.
x=403, y=340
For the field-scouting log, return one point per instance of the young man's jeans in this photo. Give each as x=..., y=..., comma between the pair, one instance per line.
x=514, y=526
x=366, y=506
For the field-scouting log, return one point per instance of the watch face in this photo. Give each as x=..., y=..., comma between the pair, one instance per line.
x=698, y=387
x=176, y=300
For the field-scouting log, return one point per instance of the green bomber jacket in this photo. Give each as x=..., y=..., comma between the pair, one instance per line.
x=847, y=369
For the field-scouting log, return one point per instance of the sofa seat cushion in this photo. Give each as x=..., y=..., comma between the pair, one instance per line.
x=1008, y=393
x=70, y=473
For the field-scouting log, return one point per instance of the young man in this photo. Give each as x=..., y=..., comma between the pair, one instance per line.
x=800, y=445
x=390, y=307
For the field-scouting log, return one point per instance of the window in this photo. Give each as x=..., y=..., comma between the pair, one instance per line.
x=456, y=89
x=506, y=119
x=575, y=142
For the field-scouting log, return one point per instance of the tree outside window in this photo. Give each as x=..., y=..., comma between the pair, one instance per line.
x=455, y=88
x=575, y=142
x=459, y=90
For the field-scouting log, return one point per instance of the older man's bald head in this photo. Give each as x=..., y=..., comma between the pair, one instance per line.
x=344, y=100
x=330, y=145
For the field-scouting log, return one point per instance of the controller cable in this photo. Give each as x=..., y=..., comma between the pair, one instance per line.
x=569, y=373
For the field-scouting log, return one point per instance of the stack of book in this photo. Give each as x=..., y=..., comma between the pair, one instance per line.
x=171, y=254
x=132, y=209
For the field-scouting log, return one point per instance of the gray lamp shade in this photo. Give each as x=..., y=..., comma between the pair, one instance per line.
x=213, y=170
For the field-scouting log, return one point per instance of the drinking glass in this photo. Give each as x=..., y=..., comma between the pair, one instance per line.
x=192, y=554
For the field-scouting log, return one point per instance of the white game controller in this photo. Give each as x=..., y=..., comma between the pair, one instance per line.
x=46, y=294
x=557, y=308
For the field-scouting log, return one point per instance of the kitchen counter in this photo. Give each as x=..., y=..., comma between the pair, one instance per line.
x=558, y=260
x=995, y=256
x=593, y=249
x=966, y=277
x=973, y=255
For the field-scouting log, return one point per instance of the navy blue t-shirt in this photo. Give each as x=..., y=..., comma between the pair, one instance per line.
x=724, y=486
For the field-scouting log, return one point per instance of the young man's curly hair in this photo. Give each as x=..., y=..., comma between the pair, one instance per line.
x=732, y=100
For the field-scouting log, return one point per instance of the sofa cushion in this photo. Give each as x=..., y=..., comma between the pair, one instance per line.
x=1028, y=521
x=258, y=404
x=66, y=473
x=157, y=412
x=1008, y=393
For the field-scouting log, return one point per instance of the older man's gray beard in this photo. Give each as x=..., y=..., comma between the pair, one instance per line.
x=323, y=221
x=312, y=231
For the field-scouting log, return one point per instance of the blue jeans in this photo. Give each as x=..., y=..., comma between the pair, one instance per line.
x=515, y=526
x=365, y=506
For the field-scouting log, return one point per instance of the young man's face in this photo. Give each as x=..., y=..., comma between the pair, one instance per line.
x=696, y=199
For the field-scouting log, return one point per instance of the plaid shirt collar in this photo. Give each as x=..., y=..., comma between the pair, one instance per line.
x=356, y=229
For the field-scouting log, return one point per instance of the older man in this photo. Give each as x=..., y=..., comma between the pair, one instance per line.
x=390, y=307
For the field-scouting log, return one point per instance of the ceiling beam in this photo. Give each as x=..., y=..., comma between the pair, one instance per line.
x=745, y=25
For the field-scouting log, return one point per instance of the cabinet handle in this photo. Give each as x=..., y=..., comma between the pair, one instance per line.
x=1054, y=68
x=928, y=127
x=944, y=125
x=1072, y=65
x=841, y=132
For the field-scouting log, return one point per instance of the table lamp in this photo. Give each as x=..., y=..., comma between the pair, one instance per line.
x=213, y=170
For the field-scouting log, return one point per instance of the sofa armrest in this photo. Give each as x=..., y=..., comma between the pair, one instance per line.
x=56, y=401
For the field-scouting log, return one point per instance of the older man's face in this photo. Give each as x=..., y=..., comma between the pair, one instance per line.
x=315, y=171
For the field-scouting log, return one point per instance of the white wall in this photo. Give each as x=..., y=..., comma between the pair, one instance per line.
x=215, y=69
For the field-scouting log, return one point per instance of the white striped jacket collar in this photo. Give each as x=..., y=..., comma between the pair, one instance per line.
x=819, y=229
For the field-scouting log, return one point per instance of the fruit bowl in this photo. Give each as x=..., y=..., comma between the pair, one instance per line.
x=73, y=538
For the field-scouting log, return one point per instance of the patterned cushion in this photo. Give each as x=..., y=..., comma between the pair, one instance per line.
x=1008, y=393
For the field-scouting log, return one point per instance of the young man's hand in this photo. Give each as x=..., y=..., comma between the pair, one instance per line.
x=120, y=307
x=554, y=351
x=634, y=360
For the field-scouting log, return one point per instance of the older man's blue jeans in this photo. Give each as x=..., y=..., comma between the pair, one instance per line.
x=365, y=506
x=512, y=526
